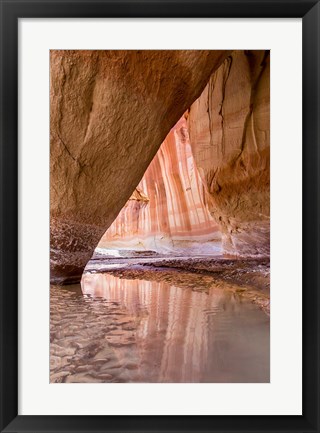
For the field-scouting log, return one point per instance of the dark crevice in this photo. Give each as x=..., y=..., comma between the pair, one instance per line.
x=263, y=65
x=82, y=167
x=229, y=60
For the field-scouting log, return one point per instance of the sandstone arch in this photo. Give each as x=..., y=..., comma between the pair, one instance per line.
x=109, y=113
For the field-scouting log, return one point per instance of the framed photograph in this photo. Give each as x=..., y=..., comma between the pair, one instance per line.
x=159, y=216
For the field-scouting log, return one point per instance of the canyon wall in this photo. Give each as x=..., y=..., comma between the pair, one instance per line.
x=109, y=113
x=167, y=212
x=229, y=127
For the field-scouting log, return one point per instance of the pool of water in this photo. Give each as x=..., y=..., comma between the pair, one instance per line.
x=112, y=329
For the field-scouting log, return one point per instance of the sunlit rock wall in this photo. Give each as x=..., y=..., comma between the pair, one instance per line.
x=168, y=209
x=229, y=127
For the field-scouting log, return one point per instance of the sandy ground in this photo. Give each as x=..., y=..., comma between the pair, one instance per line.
x=248, y=277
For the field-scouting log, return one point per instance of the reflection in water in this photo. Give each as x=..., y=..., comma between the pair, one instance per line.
x=122, y=330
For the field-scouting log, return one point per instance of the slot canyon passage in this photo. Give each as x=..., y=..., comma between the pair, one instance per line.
x=159, y=216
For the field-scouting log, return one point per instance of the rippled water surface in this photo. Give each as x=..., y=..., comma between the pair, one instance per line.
x=121, y=330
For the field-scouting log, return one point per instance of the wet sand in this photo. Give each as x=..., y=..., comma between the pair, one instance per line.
x=250, y=277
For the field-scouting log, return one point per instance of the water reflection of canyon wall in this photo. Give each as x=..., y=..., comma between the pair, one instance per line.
x=168, y=208
x=184, y=335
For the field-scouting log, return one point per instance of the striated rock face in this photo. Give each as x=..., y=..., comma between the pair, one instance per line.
x=167, y=210
x=109, y=113
x=229, y=128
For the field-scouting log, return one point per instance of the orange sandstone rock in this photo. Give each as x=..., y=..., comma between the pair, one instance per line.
x=109, y=113
x=167, y=211
x=229, y=126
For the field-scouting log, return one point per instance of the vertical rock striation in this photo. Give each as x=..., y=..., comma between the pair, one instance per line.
x=167, y=210
x=229, y=126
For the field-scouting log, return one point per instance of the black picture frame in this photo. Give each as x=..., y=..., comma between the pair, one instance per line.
x=11, y=11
